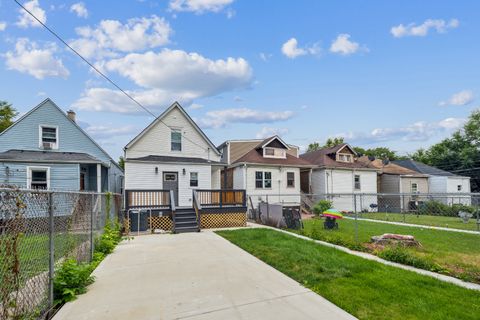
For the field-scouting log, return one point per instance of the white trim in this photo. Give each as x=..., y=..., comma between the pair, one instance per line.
x=279, y=139
x=40, y=136
x=36, y=168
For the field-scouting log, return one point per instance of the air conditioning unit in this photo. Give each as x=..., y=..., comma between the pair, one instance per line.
x=48, y=145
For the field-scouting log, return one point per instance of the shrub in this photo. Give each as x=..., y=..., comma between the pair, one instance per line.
x=109, y=239
x=401, y=255
x=321, y=206
x=70, y=280
x=433, y=207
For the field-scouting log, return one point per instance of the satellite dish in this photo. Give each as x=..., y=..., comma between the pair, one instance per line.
x=385, y=162
x=371, y=158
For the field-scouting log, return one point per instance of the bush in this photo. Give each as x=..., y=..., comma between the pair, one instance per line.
x=70, y=280
x=401, y=255
x=437, y=208
x=110, y=238
x=321, y=206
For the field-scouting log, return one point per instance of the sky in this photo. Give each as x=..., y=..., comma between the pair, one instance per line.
x=401, y=74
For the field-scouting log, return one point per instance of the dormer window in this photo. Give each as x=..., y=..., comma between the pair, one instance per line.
x=48, y=137
x=269, y=152
x=345, y=157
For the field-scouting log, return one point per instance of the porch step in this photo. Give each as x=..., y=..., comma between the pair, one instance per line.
x=186, y=220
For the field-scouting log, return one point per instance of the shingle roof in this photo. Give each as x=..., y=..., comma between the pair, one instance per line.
x=255, y=156
x=423, y=168
x=322, y=158
x=47, y=156
x=154, y=158
x=390, y=168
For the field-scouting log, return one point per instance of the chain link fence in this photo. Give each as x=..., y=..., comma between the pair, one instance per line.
x=38, y=231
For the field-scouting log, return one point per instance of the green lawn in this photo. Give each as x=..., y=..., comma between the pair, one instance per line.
x=366, y=289
x=436, y=221
x=457, y=254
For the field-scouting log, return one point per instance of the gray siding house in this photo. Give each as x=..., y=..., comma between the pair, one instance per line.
x=46, y=149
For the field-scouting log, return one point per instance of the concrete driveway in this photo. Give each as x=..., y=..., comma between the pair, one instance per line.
x=193, y=276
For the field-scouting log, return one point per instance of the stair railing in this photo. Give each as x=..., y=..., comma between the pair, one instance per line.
x=172, y=208
x=198, y=208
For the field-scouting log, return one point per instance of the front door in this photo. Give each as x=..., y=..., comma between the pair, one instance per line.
x=170, y=182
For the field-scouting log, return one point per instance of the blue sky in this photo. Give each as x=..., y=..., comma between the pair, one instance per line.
x=401, y=74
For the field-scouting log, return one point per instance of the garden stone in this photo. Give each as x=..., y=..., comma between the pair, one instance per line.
x=390, y=238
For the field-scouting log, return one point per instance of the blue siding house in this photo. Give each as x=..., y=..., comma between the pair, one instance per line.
x=46, y=149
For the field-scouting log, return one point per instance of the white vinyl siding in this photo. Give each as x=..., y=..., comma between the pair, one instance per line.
x=239, y=178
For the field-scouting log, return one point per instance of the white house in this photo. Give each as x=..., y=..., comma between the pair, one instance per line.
x=172, y=153
x=442, y=182
x=264, y=168
x=337, y=175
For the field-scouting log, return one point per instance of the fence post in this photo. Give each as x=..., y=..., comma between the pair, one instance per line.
x=356, y=217
x=403, y=204
x=51, y=249
x=268, y=208
x=92, y=245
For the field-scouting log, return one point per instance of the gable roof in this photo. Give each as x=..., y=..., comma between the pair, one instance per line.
x=390, y=168
x=321, y=158
x=47, y=156
x=65, y=115
x=159, y=120
x=423, y=168
x=269, y=140
x=255, y=157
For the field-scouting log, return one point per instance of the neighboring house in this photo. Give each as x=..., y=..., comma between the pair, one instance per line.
x=337, y=175
x=47, y=149
x=172, y=153
x=268, y=167
x=393, y=180
x=442, y=182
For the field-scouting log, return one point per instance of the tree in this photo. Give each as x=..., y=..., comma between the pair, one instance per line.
x=459, y=154
x=7, y=114
x=121, y=162
x=331, y=142
x=379, y=153
x=314, y=146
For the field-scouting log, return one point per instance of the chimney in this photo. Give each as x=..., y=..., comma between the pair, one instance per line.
x=71, y=115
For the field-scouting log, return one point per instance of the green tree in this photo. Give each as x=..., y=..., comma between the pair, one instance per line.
x=7, y=114
x=314, y=146
x=379, y=153
x=332, y=142
x=121, y=162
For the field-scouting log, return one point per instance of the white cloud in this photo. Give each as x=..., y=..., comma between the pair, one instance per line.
x=421, y=30
x=195, y=106
x=80, y=9
x=268, y=132
x=35, y=60
x=461, y=98
x=292, y=51
x=3, y=26
x=25, y=20
x=220, y=118
x=200, y=6
x=265, y=56
x=178, y=70
x=344, y=46
x=108, y=131
x=111, y=37
x=418, y=131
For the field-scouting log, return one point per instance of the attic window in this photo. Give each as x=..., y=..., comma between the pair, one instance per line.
x=269, y=152
x=345, y=157
x=176, y=140
x=48, y=137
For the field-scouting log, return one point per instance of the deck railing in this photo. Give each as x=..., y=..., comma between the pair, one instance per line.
x=152, y=199
x=220, y=198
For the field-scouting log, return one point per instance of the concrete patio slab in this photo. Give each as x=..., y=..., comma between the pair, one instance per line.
x=193, y=276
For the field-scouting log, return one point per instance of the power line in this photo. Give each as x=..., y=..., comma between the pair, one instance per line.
x=100, y=72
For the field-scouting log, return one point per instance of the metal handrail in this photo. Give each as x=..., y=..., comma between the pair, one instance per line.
x=197, y=206
x=172, y=208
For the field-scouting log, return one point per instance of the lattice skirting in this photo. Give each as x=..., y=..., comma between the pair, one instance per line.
x=126, y=225
x=223, y=220
x=163, y=223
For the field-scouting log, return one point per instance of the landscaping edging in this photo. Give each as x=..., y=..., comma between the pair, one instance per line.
x=416, y=225
x=368, y=256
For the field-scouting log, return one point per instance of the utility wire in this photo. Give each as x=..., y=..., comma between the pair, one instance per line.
x=100, y=72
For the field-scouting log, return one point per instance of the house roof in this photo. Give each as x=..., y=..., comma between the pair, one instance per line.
x=322, y=158
x=47, y=156
x=389, y=168
x=238, y=148
x=154, y=158
x=73, y=122
x=159, y=119
x=254, y=156
x=423, y=168
x=269, y=140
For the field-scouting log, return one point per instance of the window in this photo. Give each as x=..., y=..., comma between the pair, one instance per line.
x=290, y=179
x=169, y=177
x=459, y=187
x=263, y=180
x=357, y=184
x=414, y=187
x=176, y=139
x=38, y=178
x=270, y=152
x=193, y=179
x=345, y=157
x=48, y=137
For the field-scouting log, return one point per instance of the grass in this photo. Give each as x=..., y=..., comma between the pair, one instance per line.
x=452, y=253
x=435, y=221
x=366, y=289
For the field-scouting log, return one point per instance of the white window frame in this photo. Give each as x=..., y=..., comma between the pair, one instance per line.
x=35, y=168
x=416, y=187
x=263, y=180
x=345, y=157
x=179, y=130
x=277, y=153
x=359, y=182
x=294, y=182
x=40, y=136
x=190, y=182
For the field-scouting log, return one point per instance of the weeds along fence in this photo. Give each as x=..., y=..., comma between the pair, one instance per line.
x=38, y=231
x=457, y=210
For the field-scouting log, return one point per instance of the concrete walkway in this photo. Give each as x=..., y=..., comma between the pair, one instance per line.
x=193, y=276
